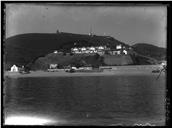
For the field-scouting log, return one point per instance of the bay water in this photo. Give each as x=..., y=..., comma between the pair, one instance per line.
x=88, y=100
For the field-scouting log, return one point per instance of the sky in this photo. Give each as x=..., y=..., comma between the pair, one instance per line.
x=129, y=24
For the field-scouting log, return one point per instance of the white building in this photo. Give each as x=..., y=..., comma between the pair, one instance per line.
x=53, y=66
x=164, y=63
x=115, y=52
x=101, y=48
x=78, y=52
x=55, y=51
x=14, y=68
x=125, y=52
x=74, y=68
x=75, y=49
x=92, y=48
x=118, y=46
x=83, y=49
x=88, y=49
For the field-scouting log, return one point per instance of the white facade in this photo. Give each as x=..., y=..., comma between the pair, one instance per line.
x=83, y=48
x=52, y=66
x=88, y=49
x=14, y=68
x=75, y=49
x=164, y=63
x=77, y=52
x=115, y=52
x=74, y=68
x=55, y=51
x=118, y=52
x=125, y=52
x=92, y=48
x=118, y=47
x=100, y=47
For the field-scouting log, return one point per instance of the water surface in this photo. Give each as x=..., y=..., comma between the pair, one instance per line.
x=88, y=100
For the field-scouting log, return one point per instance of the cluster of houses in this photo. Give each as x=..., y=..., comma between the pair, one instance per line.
x=100, y=50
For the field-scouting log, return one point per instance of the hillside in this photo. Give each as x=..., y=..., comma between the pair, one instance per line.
x=43, y=63
x=118, y=60
x=150, y=51
x=95, y=60
x=25, y=48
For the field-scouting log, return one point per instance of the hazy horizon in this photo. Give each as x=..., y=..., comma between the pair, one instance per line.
x=128, y=24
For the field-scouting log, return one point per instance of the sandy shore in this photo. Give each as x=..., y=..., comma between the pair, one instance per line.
x=116, y=70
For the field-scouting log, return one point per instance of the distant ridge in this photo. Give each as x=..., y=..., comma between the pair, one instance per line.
x=149, y=50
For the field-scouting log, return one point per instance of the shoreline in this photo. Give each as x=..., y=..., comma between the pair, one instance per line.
x=115, y=71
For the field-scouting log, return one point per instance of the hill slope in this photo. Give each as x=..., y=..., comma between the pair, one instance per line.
x=150, y=51
x=25, y=49
x=43, y=63
x=22, y=49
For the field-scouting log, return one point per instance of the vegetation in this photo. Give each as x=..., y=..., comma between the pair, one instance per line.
x=43, y=63
x=150, y=51
x=34, y=51
x=23, y=49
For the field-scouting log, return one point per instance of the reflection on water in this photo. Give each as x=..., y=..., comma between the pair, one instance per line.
x=26, y=120
x=89, y=100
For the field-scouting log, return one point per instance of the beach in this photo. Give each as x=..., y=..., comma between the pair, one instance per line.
x=115, y=70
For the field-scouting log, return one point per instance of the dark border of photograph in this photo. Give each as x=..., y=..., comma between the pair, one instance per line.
x=95, y=3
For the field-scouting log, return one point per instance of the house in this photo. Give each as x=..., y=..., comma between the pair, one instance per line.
x=74, y=68
x=164, y=63
x=100, y=48
x=125, y=52
x=83, y=49
x=118, y=46
x=87, y=51
x=101, y=52
x=115, y=52
x=53, y=66
x=14, y=68
x=55, y=51
x=77, y=52
x=74, y=49
x=92, y=48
